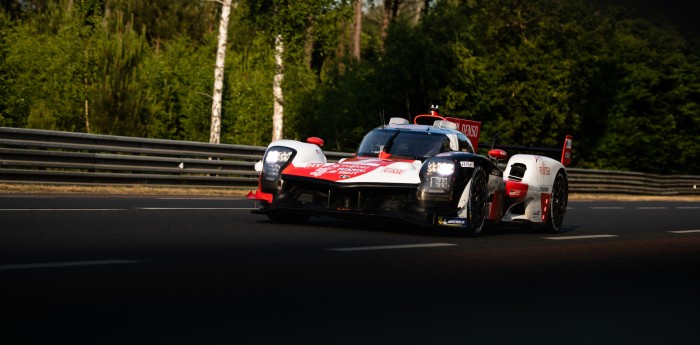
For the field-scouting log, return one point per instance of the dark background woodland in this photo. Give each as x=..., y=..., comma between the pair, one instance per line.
x=622, y=76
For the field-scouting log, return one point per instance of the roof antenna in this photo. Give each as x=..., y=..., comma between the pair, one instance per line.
x=381, y=118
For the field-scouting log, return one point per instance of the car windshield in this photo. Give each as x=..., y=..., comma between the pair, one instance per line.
x=403, y=144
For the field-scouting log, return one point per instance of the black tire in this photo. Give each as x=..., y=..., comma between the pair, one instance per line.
x=477, y=202
x=288, y=218
x=558, y=203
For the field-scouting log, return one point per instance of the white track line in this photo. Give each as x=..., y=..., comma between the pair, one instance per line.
x=399, y=246
x=60, y=209
x=17, y=267
x=684, y=231
x=582, y=237
x=194, y=198
x=192, y=208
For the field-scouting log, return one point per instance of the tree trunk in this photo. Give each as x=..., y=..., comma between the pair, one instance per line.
x=395, y=9
x=309, y=42
x=357, y=31
x=215, y=134
x=278, y=110
x=87, y=108
x=385, y=23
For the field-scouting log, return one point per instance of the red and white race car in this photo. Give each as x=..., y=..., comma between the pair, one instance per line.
x=427, y=172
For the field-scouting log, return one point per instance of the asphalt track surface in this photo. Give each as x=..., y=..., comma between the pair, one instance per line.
x=118, y=270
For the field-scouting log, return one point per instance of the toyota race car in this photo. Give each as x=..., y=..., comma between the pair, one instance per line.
x=427, y=172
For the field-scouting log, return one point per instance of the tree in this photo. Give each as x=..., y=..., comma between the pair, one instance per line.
x=290, y=23
x=357, y=31
x=215, y=136
x=277, y=93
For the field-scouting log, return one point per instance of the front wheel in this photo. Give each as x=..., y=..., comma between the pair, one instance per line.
x=558, y=203
x=475, y=208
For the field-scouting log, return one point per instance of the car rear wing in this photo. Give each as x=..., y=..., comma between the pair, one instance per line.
x=470, y=128
x=565, y=151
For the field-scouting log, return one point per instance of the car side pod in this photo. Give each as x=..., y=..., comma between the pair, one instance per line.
x=516, y=190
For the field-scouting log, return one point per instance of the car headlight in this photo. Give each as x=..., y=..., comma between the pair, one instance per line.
x=438, y=176
x=446, y=168
x=276, y=158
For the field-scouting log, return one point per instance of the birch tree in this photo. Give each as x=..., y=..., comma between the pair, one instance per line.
x=357, y=31
x=215, y=134
x=278, y=109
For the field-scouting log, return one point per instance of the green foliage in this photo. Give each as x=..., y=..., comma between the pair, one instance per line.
x=49, y=69
x=175, y=90
x=164, y=20
x=652, y=120
x=248, y=102
x=5, y=72
x=626, y=87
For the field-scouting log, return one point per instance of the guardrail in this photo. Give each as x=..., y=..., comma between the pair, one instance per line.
x=40, y=156
x=77, y=158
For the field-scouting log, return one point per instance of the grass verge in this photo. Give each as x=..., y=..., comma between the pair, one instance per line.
x=127, y=190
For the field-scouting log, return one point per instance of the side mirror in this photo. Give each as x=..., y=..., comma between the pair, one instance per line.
x=316, y=141
x=498, y=154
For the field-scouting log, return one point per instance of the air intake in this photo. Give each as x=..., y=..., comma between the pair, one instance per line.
x=517, y=171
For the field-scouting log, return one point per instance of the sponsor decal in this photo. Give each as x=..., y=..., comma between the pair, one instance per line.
x=364, y=163
x=515, y=192
x=467, y=164
x=344, y=176
x=318, y=172
x=544, y=170
x=452, y=221
x=516, y=189
x=469, y=130
x=394, y=171
x=345, y=169
x=352, y=171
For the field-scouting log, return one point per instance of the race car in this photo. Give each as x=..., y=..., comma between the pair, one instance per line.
x=427, y=172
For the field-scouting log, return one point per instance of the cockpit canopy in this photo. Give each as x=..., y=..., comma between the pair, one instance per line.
x=411, y=144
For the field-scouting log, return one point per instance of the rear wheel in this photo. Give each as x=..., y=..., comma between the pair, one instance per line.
x=475, y=209
x=558, y=203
